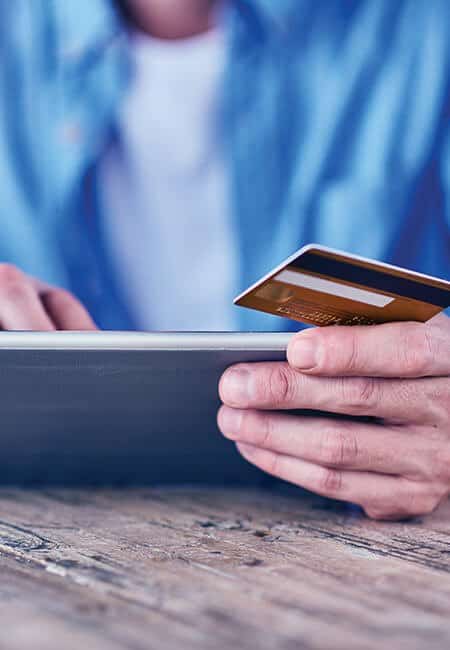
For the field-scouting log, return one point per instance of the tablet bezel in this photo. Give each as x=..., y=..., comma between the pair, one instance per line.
x=106, y=340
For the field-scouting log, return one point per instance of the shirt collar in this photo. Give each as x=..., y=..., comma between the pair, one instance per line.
x=85, y=28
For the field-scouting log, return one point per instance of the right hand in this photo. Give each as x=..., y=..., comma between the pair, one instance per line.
x=29, y=304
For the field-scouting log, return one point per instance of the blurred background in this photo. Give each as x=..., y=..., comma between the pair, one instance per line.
x=159, y=156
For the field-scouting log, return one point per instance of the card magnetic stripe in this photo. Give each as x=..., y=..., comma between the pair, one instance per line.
x=375, y=279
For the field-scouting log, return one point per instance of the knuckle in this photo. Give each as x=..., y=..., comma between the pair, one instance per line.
x=418, y=350
x=435, y=395
x=265, y=430
x=380, y=512
x=273, y=464
x=430, y=504
x=387, y=509
x=423, y=401
x=338, y=447
x=421, y=503
x=329, y=481
x=277, y=385
x=360, y=393
x=415, y=502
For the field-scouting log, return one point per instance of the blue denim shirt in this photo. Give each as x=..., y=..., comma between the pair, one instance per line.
x=336, y=118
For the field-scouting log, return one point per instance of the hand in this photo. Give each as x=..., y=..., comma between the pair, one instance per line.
x=394, y=466
x=28, y=304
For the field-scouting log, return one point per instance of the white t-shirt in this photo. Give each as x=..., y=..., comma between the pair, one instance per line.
x=165, y=198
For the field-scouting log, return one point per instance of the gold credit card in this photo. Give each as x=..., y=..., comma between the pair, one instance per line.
x=322, y=286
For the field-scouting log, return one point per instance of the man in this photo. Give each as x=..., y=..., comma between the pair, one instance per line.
x=158, y=156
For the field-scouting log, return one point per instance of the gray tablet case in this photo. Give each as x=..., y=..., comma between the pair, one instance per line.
x=120, y=409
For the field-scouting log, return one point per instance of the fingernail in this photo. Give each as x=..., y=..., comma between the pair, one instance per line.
x=230, y=421
x=235, y=386
x=304, y=354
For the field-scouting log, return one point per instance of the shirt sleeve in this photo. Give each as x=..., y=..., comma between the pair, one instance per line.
x=59, y=80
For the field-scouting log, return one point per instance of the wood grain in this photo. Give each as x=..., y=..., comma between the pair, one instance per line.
x=197, y=568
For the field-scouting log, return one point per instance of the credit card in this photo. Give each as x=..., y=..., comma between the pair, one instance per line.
x=322, y=286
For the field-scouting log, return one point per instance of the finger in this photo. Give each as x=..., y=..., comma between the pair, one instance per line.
x=20, y=306
x=332, y=443
x=276, y=386
x=390, y=350
x=66, y=311
x=381, y=496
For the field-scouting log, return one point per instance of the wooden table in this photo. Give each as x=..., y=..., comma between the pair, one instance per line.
x=215, y=569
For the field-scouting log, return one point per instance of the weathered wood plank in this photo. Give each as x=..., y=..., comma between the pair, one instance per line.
x=214, y=569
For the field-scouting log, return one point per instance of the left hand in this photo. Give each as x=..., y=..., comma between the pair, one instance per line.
x=394, y=467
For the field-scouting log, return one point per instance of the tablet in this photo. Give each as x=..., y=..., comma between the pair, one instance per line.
x=104, y=408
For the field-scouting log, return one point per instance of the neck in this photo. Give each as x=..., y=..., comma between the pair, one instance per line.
x=169, y=19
